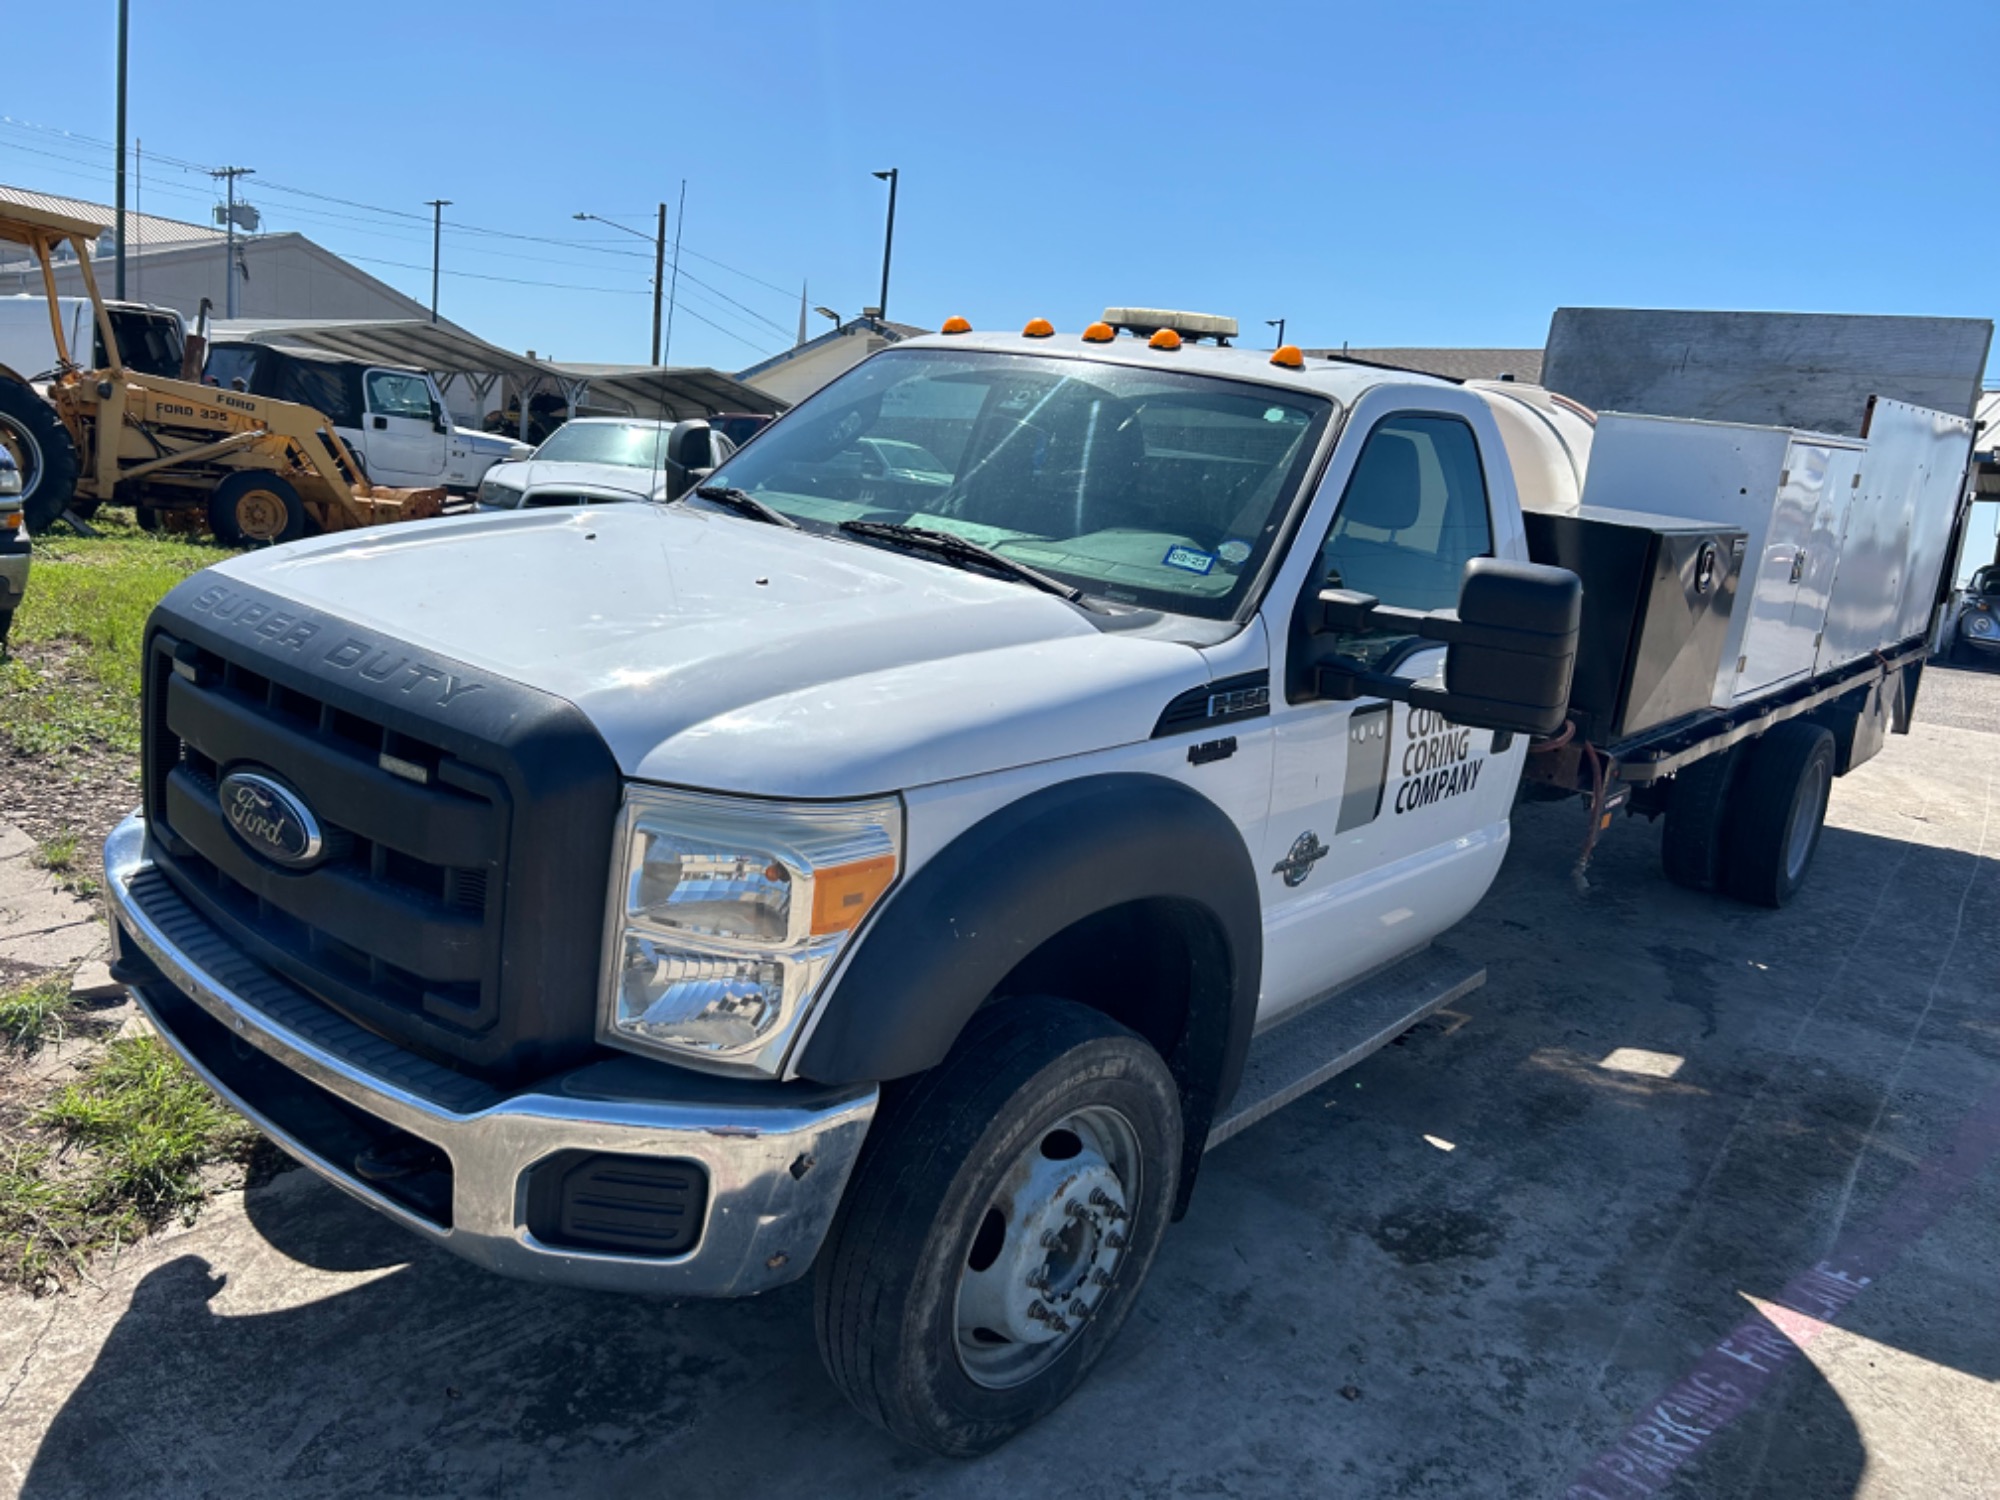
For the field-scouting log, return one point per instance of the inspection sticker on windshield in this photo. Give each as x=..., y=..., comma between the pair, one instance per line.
x=1233, y=552
x=1189, y=560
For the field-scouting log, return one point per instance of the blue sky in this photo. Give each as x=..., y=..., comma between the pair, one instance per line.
x=1380, y=174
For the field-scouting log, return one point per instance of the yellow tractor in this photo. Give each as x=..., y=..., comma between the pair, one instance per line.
x=257, y=470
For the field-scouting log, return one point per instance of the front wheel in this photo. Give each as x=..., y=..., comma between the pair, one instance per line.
x=251, y=508
x=1003, y=1215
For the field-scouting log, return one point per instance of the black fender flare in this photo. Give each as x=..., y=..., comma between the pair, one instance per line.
x=954, y=930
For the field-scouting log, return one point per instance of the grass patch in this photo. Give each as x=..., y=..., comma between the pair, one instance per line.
x=116, y=1154
x=57, y=854
x=33, y=1016
x=71, y=680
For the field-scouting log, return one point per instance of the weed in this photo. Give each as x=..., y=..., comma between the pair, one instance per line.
x=131, y=1138
x=58, y=854
x=36, y=1014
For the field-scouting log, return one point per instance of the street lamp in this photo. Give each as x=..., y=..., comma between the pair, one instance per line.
x=888, y=240
x=829, y=314
x=659, y=243
x=1279, y=324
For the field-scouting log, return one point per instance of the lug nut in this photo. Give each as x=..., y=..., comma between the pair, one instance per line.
x=1076, y=1210
x=1050, y=1239
x=1099, y=1277
x=1039, y=1278
x=1038, y=1312
x=1115, y=1240
x=1060, y=1325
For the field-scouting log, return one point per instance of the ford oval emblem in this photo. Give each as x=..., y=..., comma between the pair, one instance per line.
x=269, y=817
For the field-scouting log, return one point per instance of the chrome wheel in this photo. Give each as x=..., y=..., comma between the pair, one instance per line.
x=1048, y=1248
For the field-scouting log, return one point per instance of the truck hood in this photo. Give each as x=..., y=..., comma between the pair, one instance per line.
x=591, y=479
x=491, y=444
x=712, y=651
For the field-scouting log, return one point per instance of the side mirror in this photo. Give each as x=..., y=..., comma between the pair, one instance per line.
x=1510, y=647
x=438, y=423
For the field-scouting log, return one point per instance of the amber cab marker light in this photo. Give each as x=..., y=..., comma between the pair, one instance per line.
x=1290, y=356
x=955, y=324
x=1166, y=338
x=1038, y=328
x=1099, y=333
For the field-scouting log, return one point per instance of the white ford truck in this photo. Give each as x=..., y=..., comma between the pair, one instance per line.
x=904, y=872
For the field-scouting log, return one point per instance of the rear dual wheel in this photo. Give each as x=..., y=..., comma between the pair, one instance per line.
x=1748, y=820
x=1002, y=1217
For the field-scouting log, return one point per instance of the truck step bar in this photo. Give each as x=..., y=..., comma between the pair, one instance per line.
x=1298, y=1055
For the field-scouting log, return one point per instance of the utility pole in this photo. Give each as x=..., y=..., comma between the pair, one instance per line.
x=680, y=213
x=1279, y=324
x=888, y=240
x=230, y=174
x=660, y=276
x=120, y=279
x=437, y=207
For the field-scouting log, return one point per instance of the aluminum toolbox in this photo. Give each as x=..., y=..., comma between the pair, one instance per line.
x=1658, y=594
x=1847, y=536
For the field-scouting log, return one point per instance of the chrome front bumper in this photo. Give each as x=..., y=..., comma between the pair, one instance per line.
x=777, y=1156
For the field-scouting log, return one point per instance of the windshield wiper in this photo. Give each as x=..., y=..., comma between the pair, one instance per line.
x=745, y=504
x=953, y=548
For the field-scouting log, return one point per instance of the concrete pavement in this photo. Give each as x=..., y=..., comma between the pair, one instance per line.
x=1690, y=1199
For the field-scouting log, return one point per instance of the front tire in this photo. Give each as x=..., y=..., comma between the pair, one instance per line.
x=1778, y=810
x=252, y=508
x=1000, y=1222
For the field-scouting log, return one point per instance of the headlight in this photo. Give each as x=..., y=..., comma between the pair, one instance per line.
x=728, y=915
x=493, y=492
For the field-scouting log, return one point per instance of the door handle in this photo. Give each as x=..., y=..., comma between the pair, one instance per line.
x=382, y=422
x=1798, y=565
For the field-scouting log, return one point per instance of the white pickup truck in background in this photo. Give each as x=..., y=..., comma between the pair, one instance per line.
x=150, y=339
x=905, y=869
x=394, y=419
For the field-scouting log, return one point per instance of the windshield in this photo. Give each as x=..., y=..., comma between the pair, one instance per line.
x=634, y=445
x=1145, y=487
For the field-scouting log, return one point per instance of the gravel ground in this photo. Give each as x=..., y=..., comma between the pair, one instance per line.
x=1963, y=697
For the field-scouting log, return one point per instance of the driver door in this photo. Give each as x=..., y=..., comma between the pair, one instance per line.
x=1382, y=824
x=401, y=422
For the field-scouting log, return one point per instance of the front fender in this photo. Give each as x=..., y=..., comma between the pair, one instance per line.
x=965, y=920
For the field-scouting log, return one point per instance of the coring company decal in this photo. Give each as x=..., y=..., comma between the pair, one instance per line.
x=1437, y=762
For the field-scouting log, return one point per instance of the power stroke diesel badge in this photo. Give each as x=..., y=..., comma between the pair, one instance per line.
x=1306, y=851
x=270, y=818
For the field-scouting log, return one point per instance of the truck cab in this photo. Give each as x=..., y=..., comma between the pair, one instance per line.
x=150, y=339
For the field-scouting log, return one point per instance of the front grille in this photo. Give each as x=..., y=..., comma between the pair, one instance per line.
x=401, y=910
x=457, y=908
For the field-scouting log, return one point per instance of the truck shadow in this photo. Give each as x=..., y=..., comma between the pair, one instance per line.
x=1350, y=1306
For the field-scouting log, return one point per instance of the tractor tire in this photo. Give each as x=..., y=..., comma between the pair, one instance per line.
x=1777, y=811
x=1693, y=843
x=44, y=451
x=252, y=508
x=998, y=1226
